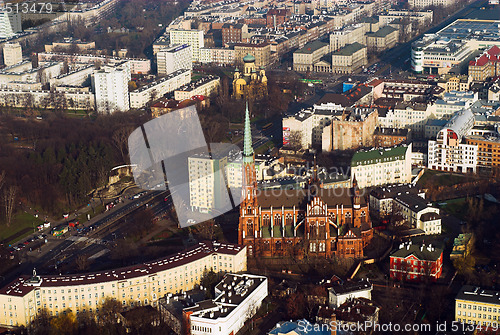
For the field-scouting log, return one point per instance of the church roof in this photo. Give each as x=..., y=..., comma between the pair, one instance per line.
x=249, y=58
x=299, y=198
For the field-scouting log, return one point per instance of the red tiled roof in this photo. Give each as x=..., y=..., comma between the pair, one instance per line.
x=491, y=55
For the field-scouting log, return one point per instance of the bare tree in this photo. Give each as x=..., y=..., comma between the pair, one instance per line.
x=295, y=140
x=9, y=198
x=82, y=263
x=120, y=140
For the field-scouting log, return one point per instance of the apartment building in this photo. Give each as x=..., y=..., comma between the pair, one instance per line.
x=420, y=18
x=10, y=23
x=12, y=53
x=488, y=149
x=261, y=52
x=76, y=78
x=349, y=58
x=194, y=38
x=382, y=166
x=234, y=33
x=462, y=246
x=157, y=89
x=205, y=86
x=348, y=35
x=237, y=299
x=382, y=198
x=382, y=39
x=486, y=65
x=207, y=181
x=419, y=213
x=427, y=3
x=69, y=43
x=110, y=85
x=478, y=306
x=413, y=262
x=341, y=292
x=389, y=137
x=305, y=58
x=447, y=152
x=137, y=285
x=452, y=82
x=410, y=115
x=452, y=102
x=174, y=58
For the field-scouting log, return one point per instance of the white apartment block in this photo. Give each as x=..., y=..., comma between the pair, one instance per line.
x=305, y=58
x=340, y=293
x=22, y=72
x=427, y=3
x=76, y=77
x=176, y=57
x=42, y=99
x=418, y=212
x=206, y=181
x=447, y=153
x=205, y=86
x=193, y=38
x=382, y=166
x=10, y=23
x=339, y=38
x=22, y=299
x=157, y=89
x=218, y=56
x=408, y=115
x=452, y=102
x=237, y=299
x=12, y=53
x=110, y=85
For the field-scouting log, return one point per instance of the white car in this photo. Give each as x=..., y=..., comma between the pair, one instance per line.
x=191, y=221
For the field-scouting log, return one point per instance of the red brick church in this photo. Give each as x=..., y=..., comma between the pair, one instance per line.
x=313, y=221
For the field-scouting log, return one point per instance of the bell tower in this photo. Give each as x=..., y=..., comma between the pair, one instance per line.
x=248, y=228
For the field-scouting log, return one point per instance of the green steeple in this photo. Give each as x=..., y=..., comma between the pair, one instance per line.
x=247, y=140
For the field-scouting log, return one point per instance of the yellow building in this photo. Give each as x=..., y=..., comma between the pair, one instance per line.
x=137, y=285
x=250, y=84
x=478, y=306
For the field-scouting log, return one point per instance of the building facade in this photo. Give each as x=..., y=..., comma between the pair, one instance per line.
x=111, y=88
x=237, y=299
x=478, y=306
x=252, y=83
x=447, y=152
x=378, y=167
x=12, y=53
x=349, y=58
x=174, y=58
x=486, y=65
x=143, y=284
x=412, y=262
x=313, y=221
x=194, y=38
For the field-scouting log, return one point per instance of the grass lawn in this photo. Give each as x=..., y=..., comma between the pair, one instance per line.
x=456, y=207
x=264, y=148
x=20, y=223
x=439, y=178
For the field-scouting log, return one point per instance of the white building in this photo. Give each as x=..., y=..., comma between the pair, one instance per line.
x=382, y=198
x=382, y=166
x=12, y=53
x=452, y=102
x=418, y=212
x=157, y=89
x=137, y=285
x=176, y=57
x=205, y=86
x=194, y=38
x=110, y=85
x=10, y=23
x=340, y=293
x=447, y=153
x=237, y=298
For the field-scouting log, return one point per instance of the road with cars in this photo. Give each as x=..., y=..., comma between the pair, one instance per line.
x=42, y=254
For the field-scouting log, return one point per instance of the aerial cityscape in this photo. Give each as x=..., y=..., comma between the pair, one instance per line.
x=274, y=167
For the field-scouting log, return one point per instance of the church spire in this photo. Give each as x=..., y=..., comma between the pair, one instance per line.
x=247, y=141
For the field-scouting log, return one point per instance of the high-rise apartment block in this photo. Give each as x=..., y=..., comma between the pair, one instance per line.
x=111, y=88
x=194, y=38
x=176, y=57
x=12, y=53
